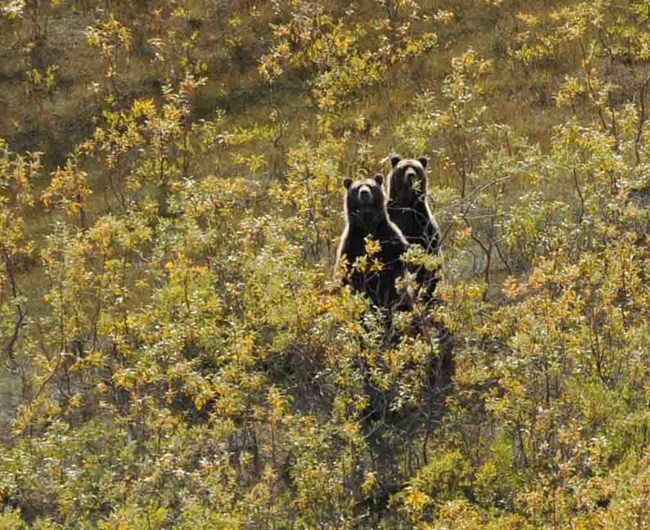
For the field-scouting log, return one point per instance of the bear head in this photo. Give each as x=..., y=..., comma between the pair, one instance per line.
x=365, y=202
x=407, y=182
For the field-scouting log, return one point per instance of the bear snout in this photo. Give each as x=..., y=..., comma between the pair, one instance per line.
x=410, y=174
x=365, y=195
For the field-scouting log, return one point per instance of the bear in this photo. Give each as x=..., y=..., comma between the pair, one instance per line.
x=367, y=217
x=408, y=209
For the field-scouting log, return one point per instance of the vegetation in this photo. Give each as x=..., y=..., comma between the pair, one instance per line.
x=176, y=352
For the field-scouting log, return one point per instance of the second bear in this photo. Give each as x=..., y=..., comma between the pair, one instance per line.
x=408, y=209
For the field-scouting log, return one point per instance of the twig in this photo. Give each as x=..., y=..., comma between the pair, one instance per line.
x=642, y=119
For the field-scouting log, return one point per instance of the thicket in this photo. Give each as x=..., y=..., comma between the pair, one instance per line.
x=175, y=351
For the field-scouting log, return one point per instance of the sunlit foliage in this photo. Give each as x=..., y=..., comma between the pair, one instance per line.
x=176, y=349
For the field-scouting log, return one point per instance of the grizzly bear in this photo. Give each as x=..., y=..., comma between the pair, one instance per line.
x=408, y=209
x=367, y=221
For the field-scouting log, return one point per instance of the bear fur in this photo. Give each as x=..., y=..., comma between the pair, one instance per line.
x=366, y=216
x=408, y=209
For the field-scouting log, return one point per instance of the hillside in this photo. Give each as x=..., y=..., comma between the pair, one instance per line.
x=176, y=349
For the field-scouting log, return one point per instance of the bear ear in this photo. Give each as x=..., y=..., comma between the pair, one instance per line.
x=424, y=161
x=379, y=178
x=394, y=159
x=347, y=182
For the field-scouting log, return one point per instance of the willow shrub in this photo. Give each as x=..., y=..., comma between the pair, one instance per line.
x=187, y=359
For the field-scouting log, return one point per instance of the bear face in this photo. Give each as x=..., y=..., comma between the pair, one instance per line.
x=365, y=202
x=407, y=182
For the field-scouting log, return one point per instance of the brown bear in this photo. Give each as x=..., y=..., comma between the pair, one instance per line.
x=408, y=209
x=367, y=219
